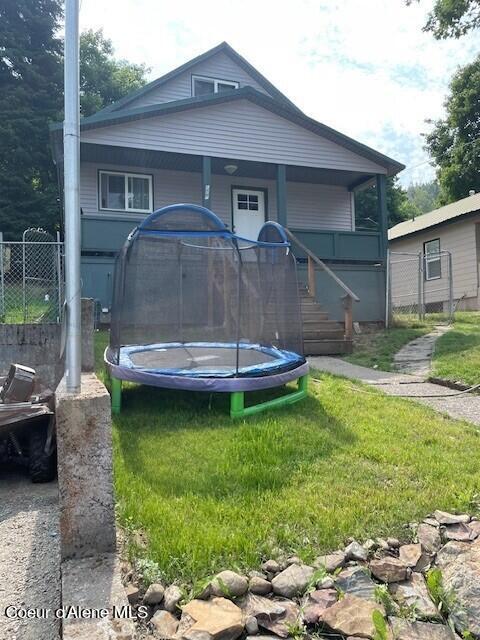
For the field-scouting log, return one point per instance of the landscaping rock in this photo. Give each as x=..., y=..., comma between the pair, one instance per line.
x=431, y=521
x=460, y=532
x=220, y=618
x=229, y=584
x=356, y=581
x=271, y=566
x=355, y=551
x=459, y=563
x=429, y=538
x=154, y=594
x=405, y=630
x=251, y=625
x=293, y=560
x=443, y=517
x=164, y=625
x=171, y=598
x=259, y=586
x=326, y=583
x=331, y=562
x=370, y=545
x=282, y=625
x=410, y=554
x=388, y=569
x=133, y=593
x=424, y=563
x=414, y=593
x=382, y=544
x=393, y=543
x=352, y=616
x=292, y=581
x=261, y=608
x=475, y=528
x=316, y=604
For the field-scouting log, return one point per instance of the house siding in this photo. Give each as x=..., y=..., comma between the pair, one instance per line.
x=460, y=238
x=219, y=66
x=239, y=130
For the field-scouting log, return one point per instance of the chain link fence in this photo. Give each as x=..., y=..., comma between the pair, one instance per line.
x=419, y=287
x=31, y=279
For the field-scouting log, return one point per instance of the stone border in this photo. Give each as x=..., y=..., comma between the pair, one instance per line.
x=417, y=590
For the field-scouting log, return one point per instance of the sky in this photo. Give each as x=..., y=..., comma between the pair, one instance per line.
x=363, y=67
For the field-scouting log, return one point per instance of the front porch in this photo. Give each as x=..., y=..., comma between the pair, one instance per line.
x=315, y=204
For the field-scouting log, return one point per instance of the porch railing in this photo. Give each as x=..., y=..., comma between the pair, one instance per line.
x=314, y=262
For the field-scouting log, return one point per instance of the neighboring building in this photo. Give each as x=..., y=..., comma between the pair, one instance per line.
x=215, y=131
x=454, y=228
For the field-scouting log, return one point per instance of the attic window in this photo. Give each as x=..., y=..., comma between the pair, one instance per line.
x=202, y=86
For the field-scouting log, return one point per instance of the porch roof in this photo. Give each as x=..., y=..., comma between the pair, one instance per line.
x=281, y=109
x=149, y=159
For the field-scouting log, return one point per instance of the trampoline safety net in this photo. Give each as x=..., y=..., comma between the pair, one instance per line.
x=191, y=298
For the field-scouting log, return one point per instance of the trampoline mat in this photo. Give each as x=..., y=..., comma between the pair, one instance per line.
x=207, y=359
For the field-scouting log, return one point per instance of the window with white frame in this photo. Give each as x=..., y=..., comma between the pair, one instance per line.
x=433, y=261
x=125, y=192
x=202, y=86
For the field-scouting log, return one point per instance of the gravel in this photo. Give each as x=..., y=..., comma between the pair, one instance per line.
x=29, y=555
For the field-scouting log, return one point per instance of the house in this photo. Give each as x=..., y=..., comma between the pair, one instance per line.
x=452, y=230
x=216, y=132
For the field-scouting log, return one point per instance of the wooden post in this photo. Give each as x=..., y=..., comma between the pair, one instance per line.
x=382, y=213
x=347, y=305
x=282, y=194
x=311, y=276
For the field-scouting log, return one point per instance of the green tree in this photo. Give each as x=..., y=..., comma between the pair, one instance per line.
x=399, y=207
x=103, y=79
x=30, y=97
x=424, y=195
x=454, y=142
x=453, y=18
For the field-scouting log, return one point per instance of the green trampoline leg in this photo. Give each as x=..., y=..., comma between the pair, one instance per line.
x=116, y=395
x=237, y=404
x=237, y=400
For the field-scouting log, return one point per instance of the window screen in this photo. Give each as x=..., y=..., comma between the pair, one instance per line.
x=433, y=264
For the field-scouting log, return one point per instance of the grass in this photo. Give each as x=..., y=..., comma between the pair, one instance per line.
x=211, y=493
x=378, y=349
x=457, y=352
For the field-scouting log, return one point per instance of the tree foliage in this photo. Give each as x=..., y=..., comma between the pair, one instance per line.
x=399, y=206
x=453, y=18
x=454, y=142
x=424, y=195
x=103, y=79
x=30, y=97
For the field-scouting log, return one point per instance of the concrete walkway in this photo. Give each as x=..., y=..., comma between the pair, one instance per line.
x=461, y=407
x=416, y=356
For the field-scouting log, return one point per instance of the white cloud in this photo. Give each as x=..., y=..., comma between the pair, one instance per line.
x=365, y=68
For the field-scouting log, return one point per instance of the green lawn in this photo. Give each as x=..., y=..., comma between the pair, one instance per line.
x=457, y=352
x=377, y=349
x=211, y=493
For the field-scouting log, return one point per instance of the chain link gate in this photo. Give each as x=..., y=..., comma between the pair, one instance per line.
x=419, y=287
x=31, y=279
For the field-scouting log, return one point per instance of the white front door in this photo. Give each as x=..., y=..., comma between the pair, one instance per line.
x=248, y=212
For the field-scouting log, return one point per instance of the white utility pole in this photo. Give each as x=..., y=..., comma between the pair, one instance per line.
x=71, y=155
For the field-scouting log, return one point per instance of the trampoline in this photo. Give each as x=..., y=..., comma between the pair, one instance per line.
x=196, y=307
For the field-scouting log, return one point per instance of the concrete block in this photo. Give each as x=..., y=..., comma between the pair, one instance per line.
x=88, y=328
x=94, y=584
x=85, y=478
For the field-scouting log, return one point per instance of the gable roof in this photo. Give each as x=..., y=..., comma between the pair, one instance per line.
x=437, y=217
x=103, y=119
x=222, y=47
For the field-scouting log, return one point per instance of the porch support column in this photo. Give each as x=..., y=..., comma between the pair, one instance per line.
x=206, y=181
x=282, y=194
x=382, y=213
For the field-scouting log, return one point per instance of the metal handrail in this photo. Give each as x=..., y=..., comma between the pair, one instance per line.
x=322, y=265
